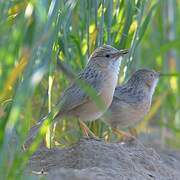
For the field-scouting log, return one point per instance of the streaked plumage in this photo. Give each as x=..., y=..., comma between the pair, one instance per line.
x=101, y=73
x=132, y=101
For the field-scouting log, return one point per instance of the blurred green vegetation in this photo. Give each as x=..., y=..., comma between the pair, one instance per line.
x=33, y=31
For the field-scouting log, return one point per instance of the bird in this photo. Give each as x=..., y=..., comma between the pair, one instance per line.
x=131, y=101
x=101, y=74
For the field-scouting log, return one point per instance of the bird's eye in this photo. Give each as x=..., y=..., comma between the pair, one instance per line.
x=107, y=55
x=151, y=75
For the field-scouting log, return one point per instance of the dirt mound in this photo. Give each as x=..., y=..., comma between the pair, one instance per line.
x=91, y=159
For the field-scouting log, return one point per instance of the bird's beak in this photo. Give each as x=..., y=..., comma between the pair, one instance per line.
x=121, y=53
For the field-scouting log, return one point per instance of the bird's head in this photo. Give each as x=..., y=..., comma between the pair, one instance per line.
x=107, y=56
x=147, y=78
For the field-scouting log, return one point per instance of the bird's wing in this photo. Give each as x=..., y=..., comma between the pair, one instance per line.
x=127, y=94
x=75, y=96
x=121, y=92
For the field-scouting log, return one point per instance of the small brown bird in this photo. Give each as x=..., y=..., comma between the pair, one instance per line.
x=132, y=101
x=101, y=73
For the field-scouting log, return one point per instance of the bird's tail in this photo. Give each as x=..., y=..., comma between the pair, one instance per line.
x=33, y=132
x=54, y=115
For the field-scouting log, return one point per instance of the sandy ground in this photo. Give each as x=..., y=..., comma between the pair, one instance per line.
x=96, y=160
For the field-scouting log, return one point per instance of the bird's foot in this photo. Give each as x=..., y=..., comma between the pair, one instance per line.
x=124, y=135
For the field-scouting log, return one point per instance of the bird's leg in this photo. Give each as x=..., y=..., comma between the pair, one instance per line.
x=123, y=134
x=84, y=128
x=86, y=131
